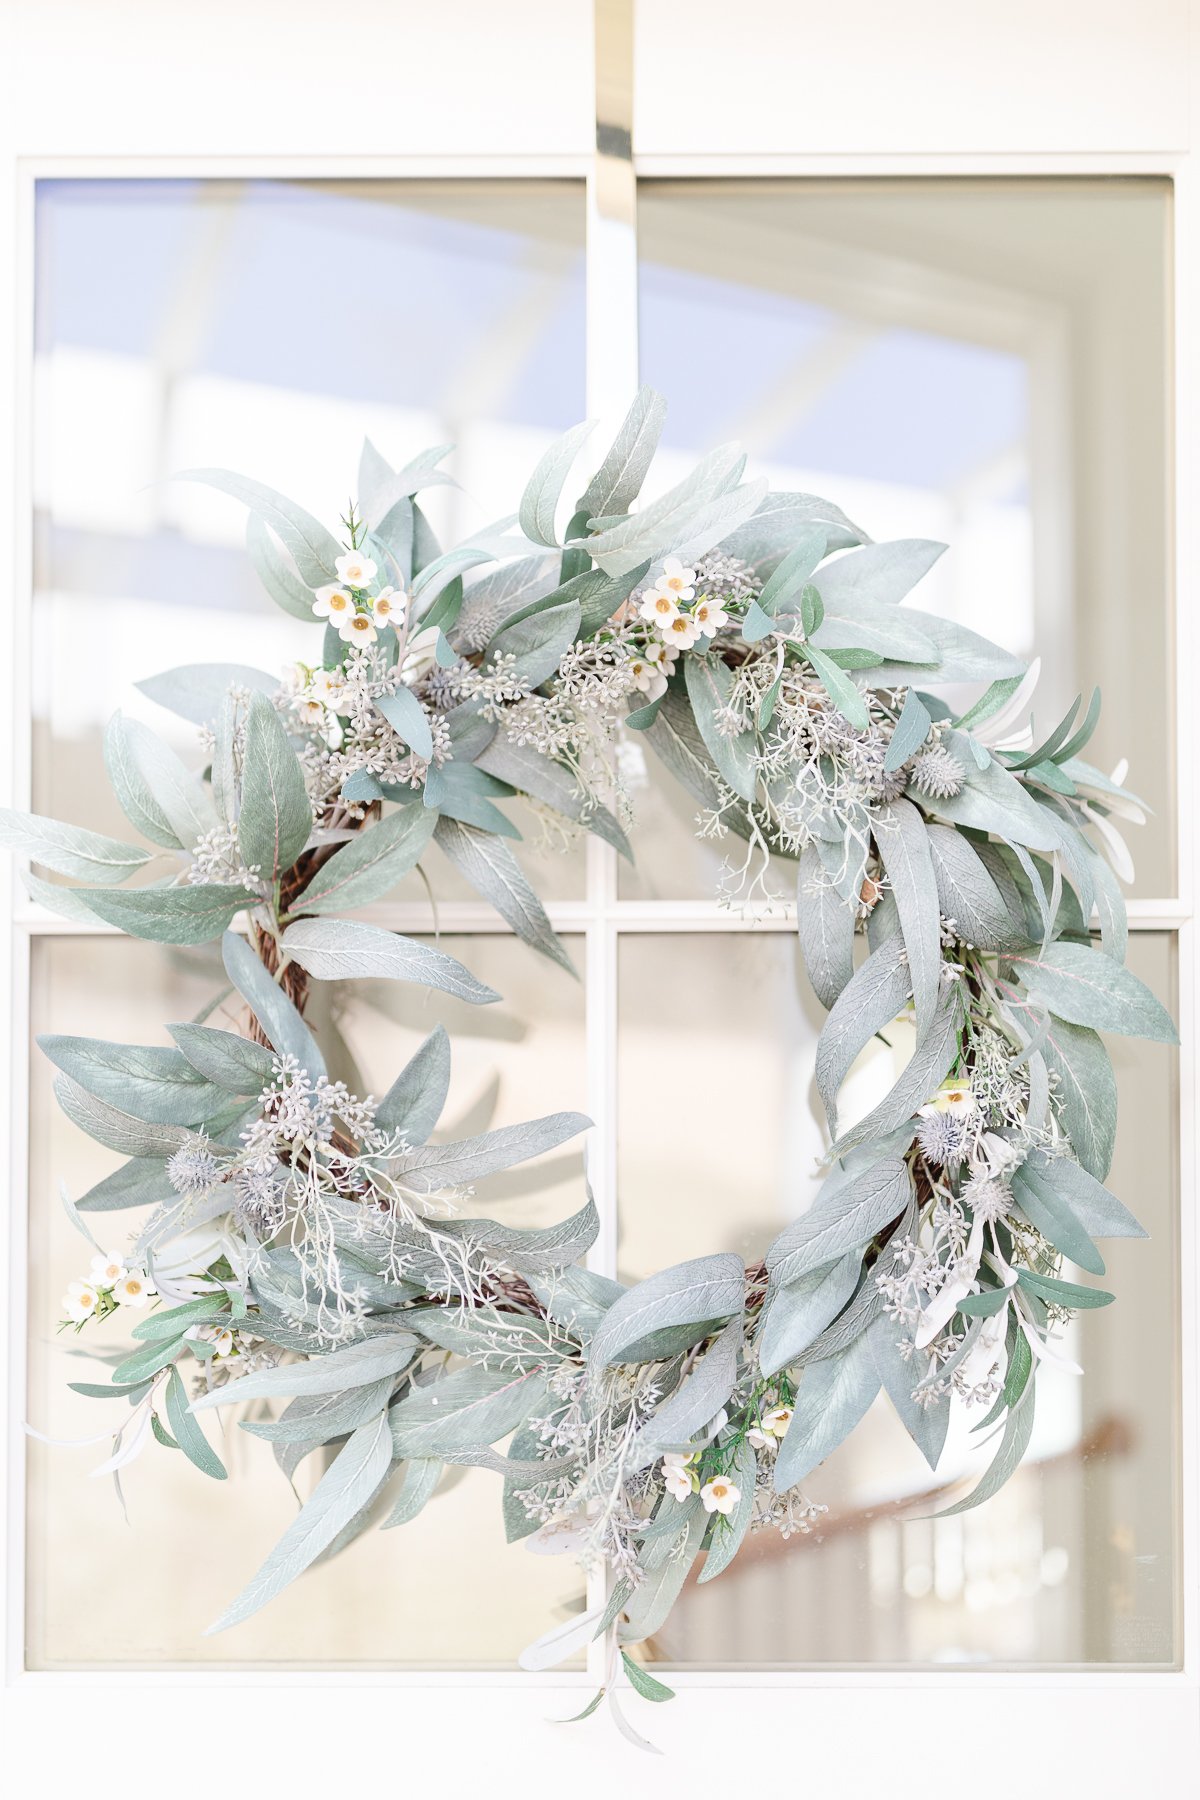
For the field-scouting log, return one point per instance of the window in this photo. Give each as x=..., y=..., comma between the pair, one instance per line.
x=955, y=291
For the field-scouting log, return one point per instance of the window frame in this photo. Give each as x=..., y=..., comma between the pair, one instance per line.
x=1056, y=1707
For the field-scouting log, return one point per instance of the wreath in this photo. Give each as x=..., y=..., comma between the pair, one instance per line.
x=313, y=1260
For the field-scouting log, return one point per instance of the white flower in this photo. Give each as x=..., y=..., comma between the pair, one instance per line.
x=295, y=677
x=355, y=569
x=311, y=713
x=720, y=1495
x=647, y=678
x=663, y=656
x=677, y=1480
x=681, y=631
x=954, y=1097
x=388, y=604
x=357, y=629
x=761, y=1440
x=677, y=580
x=329, y=687
x=133, y=1289
x=107, y=1270
x=777, y=1421
x=709, y=616
x=79, y=1301
x=659, y=607
x=333, y=603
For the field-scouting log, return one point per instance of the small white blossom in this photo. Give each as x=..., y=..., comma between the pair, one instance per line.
x=79, y=1301
x=677, y=580
x=355, y=569
x=953, y=1097
x=330, y=687
x=333, y=603
x=681, y=631
x=659, y=606
x=777, y=1421
x=357, y=629
x=133, y=1289
x=709, y=617
x=720, y=1495
x=677, y=1480
x=108, y=1270
x=389, y=606
x=662, y=656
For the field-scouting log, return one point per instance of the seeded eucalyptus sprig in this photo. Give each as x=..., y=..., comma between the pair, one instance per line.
x=310, y=1247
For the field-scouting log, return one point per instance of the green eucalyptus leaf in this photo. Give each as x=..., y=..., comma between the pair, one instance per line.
x=544, y=489
x=70, y=849
x=234, y=1063
x=467, y=1161
x=177, y=915
x=278, y=1019
x=373, y=862
x=872, y=998
x=354, y=1476
x=491, y=868
x=911, y=730
x=470, y=1408
x=709, y=684
x=275, y=819
x=903, y=846
x=845, y=1216
x=347, y=950
x=188, y=1435
x=617, y=482
x=832, y=1397
x=841, y=690
x=1085, y=987
x=196, y=692
x=310, y=546
x=795, y=1315
x=688, y=1295
x=333, y=1373
x=278, y=573
x=153, y=1083
x=826, y=926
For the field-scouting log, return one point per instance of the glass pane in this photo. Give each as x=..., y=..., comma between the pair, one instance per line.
x=514, y=1060
x=981, y=362
x=267, y=327
x=1076, y=1561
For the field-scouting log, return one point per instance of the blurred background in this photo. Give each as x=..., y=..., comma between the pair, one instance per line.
x=980, y=362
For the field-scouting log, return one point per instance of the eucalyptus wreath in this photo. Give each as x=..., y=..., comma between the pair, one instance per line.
x=313, y=1260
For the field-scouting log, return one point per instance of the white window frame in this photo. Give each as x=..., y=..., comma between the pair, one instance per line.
x=1103, y=1728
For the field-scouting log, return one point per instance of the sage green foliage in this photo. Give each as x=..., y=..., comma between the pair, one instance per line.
x=991, y=863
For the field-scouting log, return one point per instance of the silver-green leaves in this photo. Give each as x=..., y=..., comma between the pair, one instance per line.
x=347, y=1485
x=374, y=861
x=670, y=1310
x=70, y=849
x=347, y=950
x=275, y=820
x=844, y=1216
x=1087, y=988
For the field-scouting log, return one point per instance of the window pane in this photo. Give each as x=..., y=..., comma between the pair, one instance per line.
x=104, y=1592
x=1076, y=1561
x=267, y=327
x=981, y=362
